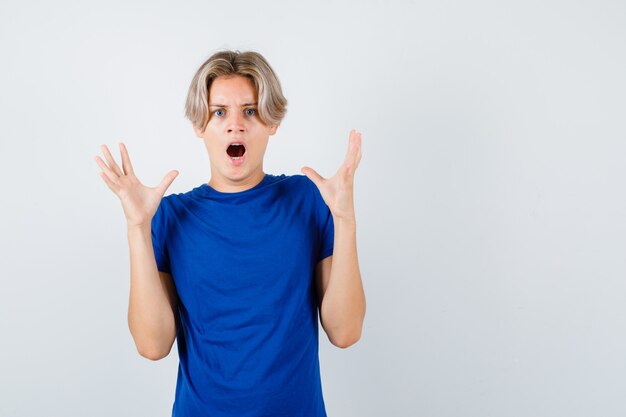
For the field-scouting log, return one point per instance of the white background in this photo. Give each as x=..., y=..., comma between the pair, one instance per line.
x=490, y=198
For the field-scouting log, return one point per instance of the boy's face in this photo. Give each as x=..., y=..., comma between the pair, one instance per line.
x=233, y=118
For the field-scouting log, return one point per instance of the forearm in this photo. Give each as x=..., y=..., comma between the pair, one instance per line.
x=343, y=305
x=150, y=317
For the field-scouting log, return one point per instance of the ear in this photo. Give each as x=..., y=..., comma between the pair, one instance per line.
x=197, y=132
x=273, y=129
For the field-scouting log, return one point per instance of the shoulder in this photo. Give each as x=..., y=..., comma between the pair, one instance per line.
x=168, y=206
x=307, y=189
x=300, y=180
x=174, y=200
x=290, y=184
x=291, y=179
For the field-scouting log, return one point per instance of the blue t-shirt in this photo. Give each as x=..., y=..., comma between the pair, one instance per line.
x=243, y=265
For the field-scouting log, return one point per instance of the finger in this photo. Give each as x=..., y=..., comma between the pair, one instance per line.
x=312, y=175
x=356, y=145
x=111, y=161
x=108, y=182
x=352, y=158
x=126, y=165
x=358, y=152
x=107, y=171
x=167, y=181
x=349, y=153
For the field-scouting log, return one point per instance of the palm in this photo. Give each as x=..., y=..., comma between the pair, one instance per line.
x=138, y=201
x=338, y=191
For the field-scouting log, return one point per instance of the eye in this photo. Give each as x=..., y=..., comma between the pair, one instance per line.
x=251, y=109
x=217, y=111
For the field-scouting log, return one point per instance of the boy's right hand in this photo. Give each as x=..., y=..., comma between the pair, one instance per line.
x=138, y=201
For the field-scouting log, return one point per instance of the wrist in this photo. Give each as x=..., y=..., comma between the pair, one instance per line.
x=143, y=227
x=344, y=220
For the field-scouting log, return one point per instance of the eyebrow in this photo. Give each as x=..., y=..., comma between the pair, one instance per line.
x=223, y=105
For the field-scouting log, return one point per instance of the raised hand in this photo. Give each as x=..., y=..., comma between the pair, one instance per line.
x=338, y=191
x=138, y=201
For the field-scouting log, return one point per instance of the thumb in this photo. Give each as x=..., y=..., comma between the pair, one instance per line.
x=167, y=181
x=312, y=175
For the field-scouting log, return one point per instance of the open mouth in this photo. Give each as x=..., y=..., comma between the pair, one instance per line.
x=236, y=151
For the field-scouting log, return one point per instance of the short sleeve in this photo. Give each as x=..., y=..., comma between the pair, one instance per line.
x=327, y=234
x=325, y=225
x=159, y=234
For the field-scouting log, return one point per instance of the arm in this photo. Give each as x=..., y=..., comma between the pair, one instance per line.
x=340, y=290
x=338, y=279
x=153, y=300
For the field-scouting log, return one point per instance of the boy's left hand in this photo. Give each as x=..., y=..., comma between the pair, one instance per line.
x=338, y=191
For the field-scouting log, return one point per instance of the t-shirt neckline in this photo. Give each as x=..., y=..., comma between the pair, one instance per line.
x=208, y=190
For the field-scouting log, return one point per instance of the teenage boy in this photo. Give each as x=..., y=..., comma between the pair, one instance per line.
x=236, y=269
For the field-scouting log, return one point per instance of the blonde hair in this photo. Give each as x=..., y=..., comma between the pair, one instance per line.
x=272, y=105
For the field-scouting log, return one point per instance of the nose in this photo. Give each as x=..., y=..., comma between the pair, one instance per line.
x=236, y=123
